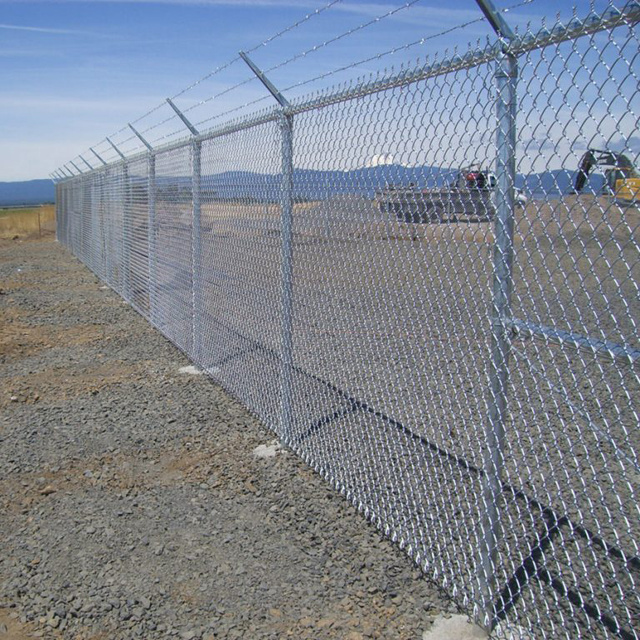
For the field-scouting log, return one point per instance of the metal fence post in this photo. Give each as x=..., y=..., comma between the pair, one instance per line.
x=151, y=236
x=287, y=270
x=196, y=236
x=130, y=190
x=506, y=79
x=104, y=261
x=196, y=252
x=286, y=204
x=126, y=235
x=59, y=209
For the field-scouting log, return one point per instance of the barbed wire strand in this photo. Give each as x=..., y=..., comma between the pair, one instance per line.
x=345, y=34
x=302, y=54
x=299, y=55
x=401, y=48
x=270, y=39
x=360, y=62
x=317, y=47
x=226, y=65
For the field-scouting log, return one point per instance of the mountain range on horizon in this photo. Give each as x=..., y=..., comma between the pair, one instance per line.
x=311, y=184
x=27, y=192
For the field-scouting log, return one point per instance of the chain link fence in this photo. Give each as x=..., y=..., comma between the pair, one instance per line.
x=454, y=347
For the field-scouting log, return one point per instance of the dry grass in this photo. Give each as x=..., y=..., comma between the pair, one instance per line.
x=22, y=223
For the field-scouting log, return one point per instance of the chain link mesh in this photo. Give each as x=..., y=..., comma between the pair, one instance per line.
x=432, y=317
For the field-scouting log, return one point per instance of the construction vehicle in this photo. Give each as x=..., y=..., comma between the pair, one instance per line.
x=470, y=195
x=622, y=179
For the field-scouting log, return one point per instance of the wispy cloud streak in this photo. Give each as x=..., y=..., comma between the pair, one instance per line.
x=17, y=27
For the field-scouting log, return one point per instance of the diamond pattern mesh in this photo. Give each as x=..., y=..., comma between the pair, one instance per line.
x=372, y=332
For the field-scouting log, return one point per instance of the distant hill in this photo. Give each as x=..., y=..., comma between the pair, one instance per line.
x=309, y=184
x=28, y=192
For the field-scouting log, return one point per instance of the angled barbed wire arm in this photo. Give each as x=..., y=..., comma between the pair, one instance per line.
x=496, y=19
x=140, y=137
x=115, y=148
x=286, y=205
x=88, y=165
x=271, y=88
x=97, y=155
x=75, y=166
x=182, y=117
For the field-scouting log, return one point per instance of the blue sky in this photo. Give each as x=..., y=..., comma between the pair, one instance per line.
x=74, y=72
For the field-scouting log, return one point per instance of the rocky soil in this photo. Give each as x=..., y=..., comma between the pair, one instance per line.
x=138, y=500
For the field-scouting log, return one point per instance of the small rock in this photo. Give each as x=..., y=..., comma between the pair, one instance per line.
x=54, y=622
x=267, y=451
x=190, y=370
x=455, y=626
x=48, y=490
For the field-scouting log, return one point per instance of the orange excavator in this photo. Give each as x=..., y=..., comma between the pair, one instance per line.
x=621, y=177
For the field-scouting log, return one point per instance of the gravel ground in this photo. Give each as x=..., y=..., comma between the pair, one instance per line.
x=133, y=504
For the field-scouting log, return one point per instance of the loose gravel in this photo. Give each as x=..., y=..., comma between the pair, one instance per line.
x=138, y=500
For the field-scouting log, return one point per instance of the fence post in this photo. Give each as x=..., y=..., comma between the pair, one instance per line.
x=102, y=175
x=58, y=208
x=287, y=271
x=126, y=235
x=286, y=204
x=506, y=80
x=151, y=236
x=130, y=198
x=196, y=252
x=196, y=236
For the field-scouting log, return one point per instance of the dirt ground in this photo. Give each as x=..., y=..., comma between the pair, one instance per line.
x=134, y=503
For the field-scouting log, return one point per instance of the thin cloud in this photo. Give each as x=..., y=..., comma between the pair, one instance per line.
x=264, y=3
x=17, y=27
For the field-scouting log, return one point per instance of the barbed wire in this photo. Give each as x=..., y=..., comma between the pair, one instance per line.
x=345, y=34
x=358, y=62
x=299, y=55
x=302, y=54
x=217, y=70
x=270, y=39
x=403, y=47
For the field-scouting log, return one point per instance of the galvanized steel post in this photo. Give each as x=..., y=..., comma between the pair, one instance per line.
x=151, y=237
x=130, y=196
x=506, y=80
x=59, y=209
x=196, y=236
x=286, y=204
x=196, y=251
x=286, y=125
x=126, y=234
